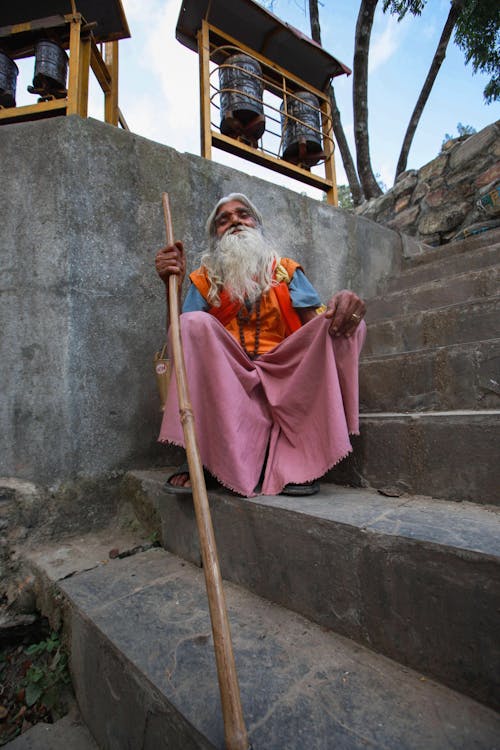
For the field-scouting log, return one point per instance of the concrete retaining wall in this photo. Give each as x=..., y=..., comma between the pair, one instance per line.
x=82, y=309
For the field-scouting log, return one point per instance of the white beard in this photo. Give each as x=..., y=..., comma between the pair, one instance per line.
x=241, y=262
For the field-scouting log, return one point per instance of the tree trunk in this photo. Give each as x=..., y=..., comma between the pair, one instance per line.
x=347, y=161
x=350, y=169
x=314, y=21
x=360, y=98
x=436, y=63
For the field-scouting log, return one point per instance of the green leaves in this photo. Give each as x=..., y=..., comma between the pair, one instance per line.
x=48, y=672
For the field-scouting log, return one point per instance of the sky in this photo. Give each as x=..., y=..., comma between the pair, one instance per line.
x=159, y=83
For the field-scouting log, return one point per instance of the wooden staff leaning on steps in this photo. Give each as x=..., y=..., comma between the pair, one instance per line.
x=272, y=373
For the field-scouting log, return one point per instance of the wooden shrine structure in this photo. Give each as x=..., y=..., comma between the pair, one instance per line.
x=89, y=30
x=292, y=66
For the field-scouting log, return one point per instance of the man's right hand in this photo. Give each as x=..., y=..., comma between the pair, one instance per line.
x=171, y=260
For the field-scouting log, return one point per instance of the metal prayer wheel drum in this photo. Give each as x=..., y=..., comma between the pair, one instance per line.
x=51, y=69
x=8, y=81
x=241, y=90
x=302, y=140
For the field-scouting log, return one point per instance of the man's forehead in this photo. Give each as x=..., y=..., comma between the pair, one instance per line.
x=232, y=206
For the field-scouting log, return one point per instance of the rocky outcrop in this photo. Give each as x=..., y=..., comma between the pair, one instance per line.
x=455, y=191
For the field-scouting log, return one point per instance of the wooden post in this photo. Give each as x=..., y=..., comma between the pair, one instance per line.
x=204, y=61
x=83, y=89
x=111, y=113
x=79, y=66
x=74, y=64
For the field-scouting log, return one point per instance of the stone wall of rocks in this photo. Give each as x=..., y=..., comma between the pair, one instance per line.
x=438, y=202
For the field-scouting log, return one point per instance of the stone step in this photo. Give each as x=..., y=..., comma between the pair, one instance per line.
x=435, y=294
x=461, y=376
x=68, y=733
x=143, y=667
x=456, y=248
x=472, y=320
x=442, y=268
x=447, y=454
x=414, y=578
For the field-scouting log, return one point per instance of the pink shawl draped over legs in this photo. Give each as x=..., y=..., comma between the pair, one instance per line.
x=299, y=401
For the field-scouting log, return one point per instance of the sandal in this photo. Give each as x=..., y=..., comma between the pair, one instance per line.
x=178, y=489
x=304, y=488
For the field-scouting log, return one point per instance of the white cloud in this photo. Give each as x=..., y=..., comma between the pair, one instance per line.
x=384, y=44
x=161, y=99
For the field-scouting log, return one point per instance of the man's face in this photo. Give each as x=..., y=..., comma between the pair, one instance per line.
x=233, y=214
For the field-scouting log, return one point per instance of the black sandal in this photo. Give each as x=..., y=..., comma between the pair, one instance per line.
x=304, y=488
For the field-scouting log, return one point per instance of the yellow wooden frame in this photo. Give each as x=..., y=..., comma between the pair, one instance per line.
x=279, y=78
x=84, y=54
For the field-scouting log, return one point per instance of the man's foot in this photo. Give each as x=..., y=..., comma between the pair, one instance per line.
x=179, y=483
x=304, y=488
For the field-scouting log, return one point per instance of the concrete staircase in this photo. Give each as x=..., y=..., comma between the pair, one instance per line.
x=142, y=650
x=430, y=377
x=360, y=618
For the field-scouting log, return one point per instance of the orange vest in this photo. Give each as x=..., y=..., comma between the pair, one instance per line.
x=278, y=318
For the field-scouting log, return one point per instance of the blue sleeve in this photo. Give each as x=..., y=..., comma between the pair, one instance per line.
x=194, y=301
x=302, y=292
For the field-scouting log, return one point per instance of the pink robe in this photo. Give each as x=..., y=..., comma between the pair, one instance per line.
x=300, y=398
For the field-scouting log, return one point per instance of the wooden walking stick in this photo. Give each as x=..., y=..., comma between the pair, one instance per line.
x=234, y=726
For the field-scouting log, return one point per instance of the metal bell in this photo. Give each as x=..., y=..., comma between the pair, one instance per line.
x=51, y=68
x=241, y=90
x=302, y=140
x=8, y=81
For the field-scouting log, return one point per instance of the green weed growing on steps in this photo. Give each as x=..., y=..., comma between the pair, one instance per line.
x=48, y=673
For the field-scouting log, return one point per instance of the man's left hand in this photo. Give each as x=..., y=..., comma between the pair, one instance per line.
x=346, y=311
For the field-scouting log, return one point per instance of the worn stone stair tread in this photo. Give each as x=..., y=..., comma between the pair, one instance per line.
x=145, y=674
x=464, y=527
x=69, y=733
x=426, y=350
x=435, y=294
x=461, y=375
x=456, y=247
x=414, y=578
x=460, y=322
x=433, y=413
x=450, y=454
x=441, y=268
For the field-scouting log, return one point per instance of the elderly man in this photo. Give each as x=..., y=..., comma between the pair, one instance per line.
x=273, y=374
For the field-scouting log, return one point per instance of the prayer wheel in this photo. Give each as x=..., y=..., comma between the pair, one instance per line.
x=302, y=140
x=8, y=81
x=51, y=68
x=241, y=90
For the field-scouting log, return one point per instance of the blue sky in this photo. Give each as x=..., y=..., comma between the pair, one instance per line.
x=159, y=82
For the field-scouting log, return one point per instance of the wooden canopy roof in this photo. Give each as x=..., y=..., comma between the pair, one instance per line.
x=108, y=15
x=265, y=33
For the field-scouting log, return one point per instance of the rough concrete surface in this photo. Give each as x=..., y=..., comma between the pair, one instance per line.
x=142, y=655
x=412, y=577
x=81, y=306
x=69, y=733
